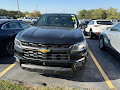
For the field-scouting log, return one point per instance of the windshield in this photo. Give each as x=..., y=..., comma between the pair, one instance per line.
x=105, y=22
x=59, y=20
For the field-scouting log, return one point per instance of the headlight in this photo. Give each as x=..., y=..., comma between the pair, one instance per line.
x=17, y=42
x=79, y=47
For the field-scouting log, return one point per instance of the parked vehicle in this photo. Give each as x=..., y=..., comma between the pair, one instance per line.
x=84, y=23
x=5, y=17
x=115, y=21
x=28, y=19
x=96, y=26
x=56, y=44
x=8, y=30
x=110, y=39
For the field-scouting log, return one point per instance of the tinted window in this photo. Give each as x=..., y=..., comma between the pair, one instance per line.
x=118, y=20
x=57, y=20
x=116, y=27
x=105, y=22
x=12, y=25
x=24, y=25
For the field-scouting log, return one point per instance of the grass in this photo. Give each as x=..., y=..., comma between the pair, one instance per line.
x=8, y=85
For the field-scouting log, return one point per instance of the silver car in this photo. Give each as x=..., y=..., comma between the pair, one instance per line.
x=110, y=39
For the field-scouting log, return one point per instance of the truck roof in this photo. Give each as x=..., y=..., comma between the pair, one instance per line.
x=61, y=13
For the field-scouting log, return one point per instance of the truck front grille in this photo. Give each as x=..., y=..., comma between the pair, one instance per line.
x=58, y=51
x=34, y=54
x=45, y=45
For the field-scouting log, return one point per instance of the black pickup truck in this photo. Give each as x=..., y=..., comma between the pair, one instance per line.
x=54, y=44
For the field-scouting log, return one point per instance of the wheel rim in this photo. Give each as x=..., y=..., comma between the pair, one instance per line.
x=101, y=43
x=10, y=48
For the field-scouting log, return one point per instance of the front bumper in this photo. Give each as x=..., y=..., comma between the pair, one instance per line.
x=55, y=66
x=52, y=66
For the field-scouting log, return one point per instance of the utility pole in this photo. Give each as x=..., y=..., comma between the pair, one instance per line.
x=18, y=8
x=36, y=10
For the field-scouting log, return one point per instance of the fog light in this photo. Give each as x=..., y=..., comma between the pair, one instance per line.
x=78, y=65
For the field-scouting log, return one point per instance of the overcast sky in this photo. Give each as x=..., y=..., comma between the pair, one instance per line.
x=58, y=6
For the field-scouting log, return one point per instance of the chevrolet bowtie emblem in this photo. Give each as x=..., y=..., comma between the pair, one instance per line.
x=44, y=50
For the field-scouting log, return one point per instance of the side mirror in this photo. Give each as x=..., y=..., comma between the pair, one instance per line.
x=109, y=28
x=33, y=23
x=112, y=29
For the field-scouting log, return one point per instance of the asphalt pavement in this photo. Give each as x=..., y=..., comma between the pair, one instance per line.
x=90, y=77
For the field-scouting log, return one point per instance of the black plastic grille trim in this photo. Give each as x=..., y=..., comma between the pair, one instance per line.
x=45, y=45
x=34, y=54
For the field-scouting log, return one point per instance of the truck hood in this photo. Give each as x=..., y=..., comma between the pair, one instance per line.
x=51, y=35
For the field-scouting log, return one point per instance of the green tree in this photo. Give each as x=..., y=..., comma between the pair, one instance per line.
x=99, y=14
x=34, y=14
x=112, y=13
x=118, y=15
x=3, y=12
x=89, y=14
x=30, y=15
x=26, y=12
x=82, y=14
x=14, y=14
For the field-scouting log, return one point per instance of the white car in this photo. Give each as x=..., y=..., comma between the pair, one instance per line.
x=110, y=40
x=27, y=19
x=94, y=27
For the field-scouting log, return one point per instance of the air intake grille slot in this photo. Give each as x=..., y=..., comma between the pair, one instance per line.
x=34, y=54
x=46, y=45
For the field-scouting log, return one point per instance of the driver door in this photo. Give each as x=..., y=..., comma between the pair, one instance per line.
x=114, y=38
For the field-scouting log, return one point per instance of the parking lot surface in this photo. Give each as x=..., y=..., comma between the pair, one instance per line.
x=90, y=76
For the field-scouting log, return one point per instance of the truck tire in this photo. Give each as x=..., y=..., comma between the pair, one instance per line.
x=9, y=47
x=91, y=34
